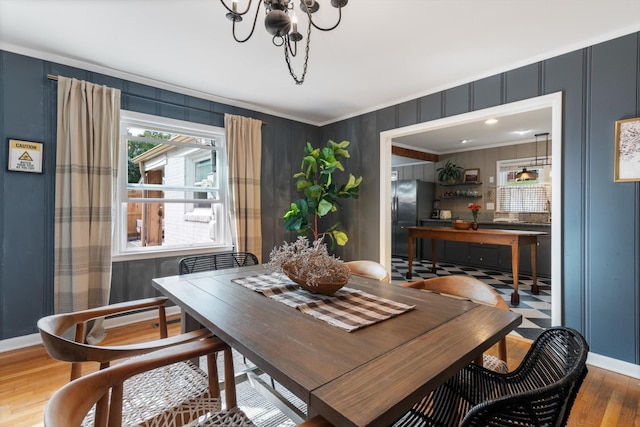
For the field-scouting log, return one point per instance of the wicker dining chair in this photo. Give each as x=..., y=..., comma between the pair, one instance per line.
x=216, y=261
x=540, y=392
x=469, y=287
x=188, y=387
x=370, y=269
x=71, y=405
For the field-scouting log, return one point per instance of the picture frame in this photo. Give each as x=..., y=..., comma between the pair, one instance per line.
x=25, y=156
x=471, y=175
x=627, y=150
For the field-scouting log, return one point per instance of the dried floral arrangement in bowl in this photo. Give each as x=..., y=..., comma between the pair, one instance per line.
x=310, y=266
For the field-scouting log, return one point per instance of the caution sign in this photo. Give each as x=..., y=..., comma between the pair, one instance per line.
x=25, y=156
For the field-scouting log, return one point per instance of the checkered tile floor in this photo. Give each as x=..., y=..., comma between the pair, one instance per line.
x=535, y=309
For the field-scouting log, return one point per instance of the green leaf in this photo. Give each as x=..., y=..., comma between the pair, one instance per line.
x=314, y=191
x=303, y=184
x=340, y=237
x=324, y=207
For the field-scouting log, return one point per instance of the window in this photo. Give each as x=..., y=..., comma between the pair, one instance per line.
x=523, y=196
x=173, y=194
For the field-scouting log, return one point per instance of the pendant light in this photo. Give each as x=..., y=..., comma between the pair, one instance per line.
x=526, y=175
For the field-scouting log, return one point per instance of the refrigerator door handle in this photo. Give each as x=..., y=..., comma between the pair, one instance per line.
x=394, y=209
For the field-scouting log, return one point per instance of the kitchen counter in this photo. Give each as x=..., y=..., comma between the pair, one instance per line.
x=499, y=224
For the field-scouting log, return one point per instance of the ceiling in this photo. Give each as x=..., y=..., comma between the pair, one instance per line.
x=509, y=129
x=383, y=53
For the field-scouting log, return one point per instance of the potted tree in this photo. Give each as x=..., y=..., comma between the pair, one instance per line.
x=321, y=193
x=449, y=172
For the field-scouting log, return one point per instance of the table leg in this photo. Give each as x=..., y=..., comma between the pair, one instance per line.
x=534, y=268
x=434, y=248
x=410, y=256
x=515, y=270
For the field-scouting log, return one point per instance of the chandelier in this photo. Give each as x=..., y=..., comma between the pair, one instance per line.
x=282, y=23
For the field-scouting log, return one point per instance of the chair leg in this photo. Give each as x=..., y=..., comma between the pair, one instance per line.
x=229, y=379
x=212, y=371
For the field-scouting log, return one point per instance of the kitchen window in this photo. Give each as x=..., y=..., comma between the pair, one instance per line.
x=523, y=196
x=172, y=193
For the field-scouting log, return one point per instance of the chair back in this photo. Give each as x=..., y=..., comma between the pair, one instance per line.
x=370, y=269
x=542, y=390
x=217, y=261
x=462, y=286
x=55, y=328
x=476, y=290
x=70, y=404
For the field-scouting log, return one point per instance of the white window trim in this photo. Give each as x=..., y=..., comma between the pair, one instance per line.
x=120, y=251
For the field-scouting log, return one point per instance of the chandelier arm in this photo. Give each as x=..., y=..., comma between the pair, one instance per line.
x=330, y=28
x=300, y=80
x=293, y=51
x=233, y=28
x=235, y=12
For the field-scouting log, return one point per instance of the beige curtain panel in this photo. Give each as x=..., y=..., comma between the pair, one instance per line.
x=244, y=144
x=86, y=158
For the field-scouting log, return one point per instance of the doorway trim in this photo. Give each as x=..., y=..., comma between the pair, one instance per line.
x=554, y=101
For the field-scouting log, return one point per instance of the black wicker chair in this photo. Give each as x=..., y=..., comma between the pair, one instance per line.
x=540, y=392
x=218, y=261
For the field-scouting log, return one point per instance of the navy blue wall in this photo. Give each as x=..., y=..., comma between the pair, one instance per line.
x=601, y=231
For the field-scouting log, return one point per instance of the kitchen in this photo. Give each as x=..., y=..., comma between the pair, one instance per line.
x=494, y=156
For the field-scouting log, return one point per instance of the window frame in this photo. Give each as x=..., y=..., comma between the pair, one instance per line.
x=120, y=250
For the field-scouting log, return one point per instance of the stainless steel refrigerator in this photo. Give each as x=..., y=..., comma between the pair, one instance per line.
x=412, y=200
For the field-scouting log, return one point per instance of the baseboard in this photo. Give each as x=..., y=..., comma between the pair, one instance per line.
x=614, y=365
x=34, y=339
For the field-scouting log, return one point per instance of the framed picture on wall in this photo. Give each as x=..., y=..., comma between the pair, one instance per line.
x=471, y=175
x=627, y=155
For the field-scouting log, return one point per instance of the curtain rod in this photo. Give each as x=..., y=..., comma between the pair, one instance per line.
x=55, y=78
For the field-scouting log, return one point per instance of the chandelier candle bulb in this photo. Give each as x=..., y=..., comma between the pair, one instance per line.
x=234, y=5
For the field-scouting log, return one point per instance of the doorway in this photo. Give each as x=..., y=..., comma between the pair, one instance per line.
x=553, y=101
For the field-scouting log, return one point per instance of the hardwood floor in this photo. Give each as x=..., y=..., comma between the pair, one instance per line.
x=29, y=376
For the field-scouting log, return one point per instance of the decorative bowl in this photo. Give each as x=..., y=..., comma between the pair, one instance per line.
x=324, y=288
x=461, y=225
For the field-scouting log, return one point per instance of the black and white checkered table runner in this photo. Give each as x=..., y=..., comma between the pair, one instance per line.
x=348, y=308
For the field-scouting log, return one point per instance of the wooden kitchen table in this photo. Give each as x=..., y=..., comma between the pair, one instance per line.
x=513, y=238
x=367, y=377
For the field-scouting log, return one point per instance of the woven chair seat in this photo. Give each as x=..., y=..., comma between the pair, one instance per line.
x=495, y=364
x=172, y=395
x=158, y=389
x=540, y=392
x=233, y=417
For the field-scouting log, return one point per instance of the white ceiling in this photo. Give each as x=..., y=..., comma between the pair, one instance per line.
x=384, y=52
x=508, y=129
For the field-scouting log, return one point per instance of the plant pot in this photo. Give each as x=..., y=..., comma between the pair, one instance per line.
x=323, y=287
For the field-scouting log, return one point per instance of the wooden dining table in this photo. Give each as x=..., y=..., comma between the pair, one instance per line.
x=514, y=238
x=367, y=377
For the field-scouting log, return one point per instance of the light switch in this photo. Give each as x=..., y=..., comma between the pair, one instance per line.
x=490, y=206
x=490, y=180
